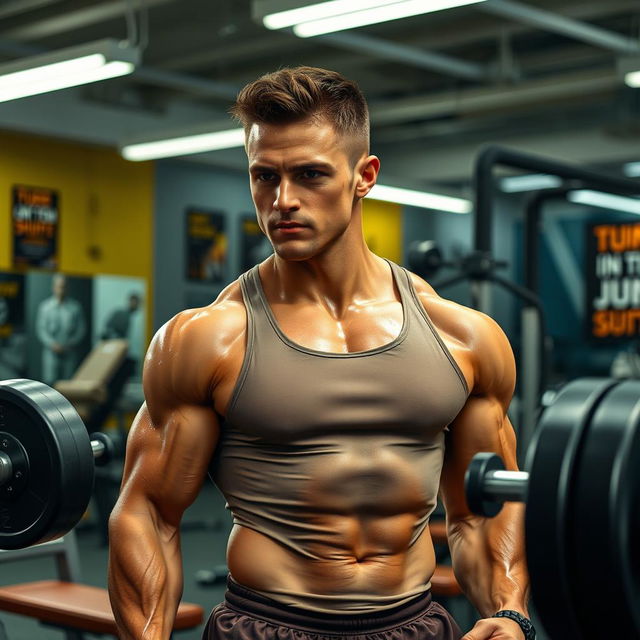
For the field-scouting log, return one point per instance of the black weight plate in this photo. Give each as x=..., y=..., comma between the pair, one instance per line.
x=606, y=487
x=79, y=477
x=60, y=477
x=627, y=511
x=551, y=463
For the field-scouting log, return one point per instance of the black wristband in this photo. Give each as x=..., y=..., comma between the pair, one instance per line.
x=525, y=624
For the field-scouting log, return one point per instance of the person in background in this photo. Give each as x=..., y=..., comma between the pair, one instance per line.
x=118, y=323
x=60, y=327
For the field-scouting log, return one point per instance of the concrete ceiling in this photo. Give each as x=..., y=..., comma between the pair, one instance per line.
x=539, y=75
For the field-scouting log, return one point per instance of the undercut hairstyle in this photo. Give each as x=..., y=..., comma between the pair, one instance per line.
x=295, y=94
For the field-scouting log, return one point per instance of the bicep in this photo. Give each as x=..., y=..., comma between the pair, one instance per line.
x=176, y=430
x=482, y=425
x=166, y=463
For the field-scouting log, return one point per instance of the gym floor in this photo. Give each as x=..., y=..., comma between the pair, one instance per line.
x=206, y=526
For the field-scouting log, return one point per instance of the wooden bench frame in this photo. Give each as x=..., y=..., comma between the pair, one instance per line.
x=68, y=604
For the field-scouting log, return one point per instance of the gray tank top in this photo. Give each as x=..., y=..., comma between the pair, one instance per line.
x=296, y=412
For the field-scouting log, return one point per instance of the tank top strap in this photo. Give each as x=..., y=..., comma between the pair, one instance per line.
x=410, y=304
x=259, y=321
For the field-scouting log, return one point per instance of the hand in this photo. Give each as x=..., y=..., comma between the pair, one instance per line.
x=495, y=629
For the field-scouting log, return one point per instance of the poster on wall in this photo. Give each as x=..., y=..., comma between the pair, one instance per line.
x=35, y=217
x=613, y=281
x=206, y=246
x=254, y=245
x=13, y=341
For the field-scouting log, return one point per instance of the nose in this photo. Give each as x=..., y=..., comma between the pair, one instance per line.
x=286, y=199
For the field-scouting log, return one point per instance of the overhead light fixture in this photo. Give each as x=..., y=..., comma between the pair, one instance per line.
x=632, y=79
x=66, y=68
x=632, y=169
x=420, y=199
x=604, y=200
x=338, y=15
x=531, y=182
x=184, y=145
x=629, y=69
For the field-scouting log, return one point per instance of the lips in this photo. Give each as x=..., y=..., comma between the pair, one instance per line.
x=289, y=225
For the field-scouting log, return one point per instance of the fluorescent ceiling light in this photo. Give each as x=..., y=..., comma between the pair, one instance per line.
x=184, y=145
x=629, y=69
x=632, y=169
x=632, y=79
x=338, y=15
x=420, y=199
x=604, y=200
x=66, y=68
x=532, y=182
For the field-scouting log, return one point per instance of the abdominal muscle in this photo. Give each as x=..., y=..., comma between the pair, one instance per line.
x=262, y=564
x=374, y=549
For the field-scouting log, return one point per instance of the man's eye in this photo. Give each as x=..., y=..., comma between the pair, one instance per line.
x=310, y=174
x=266, y=177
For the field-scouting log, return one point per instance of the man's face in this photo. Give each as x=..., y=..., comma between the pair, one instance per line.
x=59, y=288
x=302, y=184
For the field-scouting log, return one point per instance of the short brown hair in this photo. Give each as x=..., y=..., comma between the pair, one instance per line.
x=292, y=94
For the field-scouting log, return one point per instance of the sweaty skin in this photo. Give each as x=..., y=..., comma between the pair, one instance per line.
x=328, y=292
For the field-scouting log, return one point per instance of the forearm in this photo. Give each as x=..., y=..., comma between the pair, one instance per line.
x=489, y=560
x=145, y=575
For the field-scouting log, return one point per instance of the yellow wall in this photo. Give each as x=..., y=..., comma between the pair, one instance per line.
x=106, y=205
x=382, y=225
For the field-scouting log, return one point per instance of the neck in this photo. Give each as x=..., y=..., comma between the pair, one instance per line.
x=336, y=279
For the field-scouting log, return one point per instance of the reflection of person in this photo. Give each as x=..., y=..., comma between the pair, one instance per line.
x=118, y=323
x=339, y=393
x=626, y=364
x=60, y=326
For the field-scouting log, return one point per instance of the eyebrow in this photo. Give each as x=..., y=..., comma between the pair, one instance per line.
x=304, y=166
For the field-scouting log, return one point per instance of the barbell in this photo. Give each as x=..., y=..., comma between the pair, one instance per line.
x=46, y=463
x=581, y=486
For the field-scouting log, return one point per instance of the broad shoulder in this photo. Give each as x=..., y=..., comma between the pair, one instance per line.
x=475, y=336
x=187, y=354
x=219, y=321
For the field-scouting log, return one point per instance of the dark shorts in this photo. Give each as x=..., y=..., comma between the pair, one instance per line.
x=246, y=615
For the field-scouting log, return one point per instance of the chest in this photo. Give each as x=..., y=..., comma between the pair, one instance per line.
x=364, y=326
x=288, y=396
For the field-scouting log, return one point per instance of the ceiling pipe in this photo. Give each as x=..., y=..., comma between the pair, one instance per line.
x=569, y=27
x=487, y=99
x=380, y=48
x=68, y=21
x=16, y=7
x=186, y=82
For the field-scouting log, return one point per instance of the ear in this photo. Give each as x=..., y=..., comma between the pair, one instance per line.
x=366, y=172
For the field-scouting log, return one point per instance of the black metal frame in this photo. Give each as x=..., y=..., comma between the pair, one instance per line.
x=577, y=178
x=495, y=155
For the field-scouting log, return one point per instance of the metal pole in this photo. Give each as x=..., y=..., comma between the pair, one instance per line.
x=506, y=486
x=531, y=344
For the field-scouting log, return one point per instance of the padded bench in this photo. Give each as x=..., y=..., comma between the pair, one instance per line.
x=77, y=606
x=66, y=602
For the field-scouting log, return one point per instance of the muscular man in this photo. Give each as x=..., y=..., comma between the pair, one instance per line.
x=60, y=327
x=331, y=394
